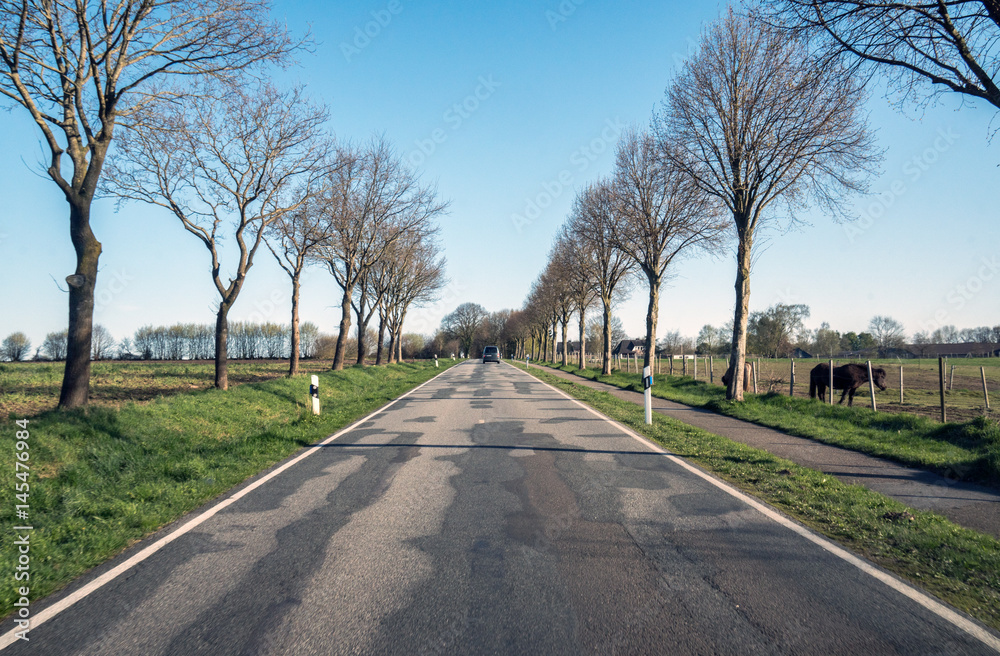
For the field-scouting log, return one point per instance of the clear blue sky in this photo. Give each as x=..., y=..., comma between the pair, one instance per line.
x=550, y=93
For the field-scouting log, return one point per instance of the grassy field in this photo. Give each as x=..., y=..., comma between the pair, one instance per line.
x=967, y=450
x=28, y=388
x=921, y=395
x=105, y=476
x=958, y=565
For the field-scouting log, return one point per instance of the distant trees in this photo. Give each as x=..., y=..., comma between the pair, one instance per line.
x=922, y=49
x=15, y=347
x=593, y=222
x=372, y=199
x=81, y=70
x=751, y=119
x=225, y=163
x=770, y=332
x=888, y=333
x=464, y=324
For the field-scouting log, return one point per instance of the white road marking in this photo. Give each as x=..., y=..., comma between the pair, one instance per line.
x=45, y=615
x=896, y=584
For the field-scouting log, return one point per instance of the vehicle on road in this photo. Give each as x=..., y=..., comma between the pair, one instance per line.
x=491, y=354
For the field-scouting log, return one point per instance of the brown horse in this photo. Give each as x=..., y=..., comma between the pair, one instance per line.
x=747, y=374
x=848, y=377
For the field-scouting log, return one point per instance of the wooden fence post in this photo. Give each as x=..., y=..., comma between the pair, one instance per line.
x=684, y=364
x=871, y=386
x=711, y=370
x=944, y=414
x=791, y=380
x=696, y=366
x=951, y=380
x=900, y=384
x=831, y=382
x=671, y=363
x=986, y=395
x=753, y=366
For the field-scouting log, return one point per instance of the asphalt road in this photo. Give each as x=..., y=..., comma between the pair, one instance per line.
x=485, y=513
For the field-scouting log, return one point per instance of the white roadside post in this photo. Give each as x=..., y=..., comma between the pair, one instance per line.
x=314, y=393
x=435, y=361
x=647, y=383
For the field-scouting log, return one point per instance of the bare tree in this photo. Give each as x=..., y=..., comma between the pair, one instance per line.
x=888, y=333
x=293, y=238
x=751, y=120
x=15, y=347
x=224, y=164
x=465, y=324
x=54, y=345
x=577, y=266
x=665, y=215
x=102, y=343
x=374, y=199
x=922, y=49
x=79, y=70
x=594, y=222
x=418, y=277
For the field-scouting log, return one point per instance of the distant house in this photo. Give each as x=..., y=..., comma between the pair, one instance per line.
x=572, y=348
x=799, y=353
x=629, y=347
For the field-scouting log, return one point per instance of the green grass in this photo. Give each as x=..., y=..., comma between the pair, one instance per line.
x=959, y=565
x=102, y=478
x=962, y=451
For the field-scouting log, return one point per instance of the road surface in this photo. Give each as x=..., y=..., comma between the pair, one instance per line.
x=486, y=513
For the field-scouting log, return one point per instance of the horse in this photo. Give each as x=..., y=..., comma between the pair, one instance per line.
x=848, y=377
x=747, y=374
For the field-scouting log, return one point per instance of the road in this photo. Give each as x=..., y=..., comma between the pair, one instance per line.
x=486, y=513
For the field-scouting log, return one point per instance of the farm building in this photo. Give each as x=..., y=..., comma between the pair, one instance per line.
x=572, y=348
x=963, y=350
x=629, y=347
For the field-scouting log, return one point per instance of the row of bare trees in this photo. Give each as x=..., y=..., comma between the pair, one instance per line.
x=749, y=122
x=181, y=87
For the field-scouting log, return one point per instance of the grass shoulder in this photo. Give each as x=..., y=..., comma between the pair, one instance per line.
x=101, y=478
x=968, y=451
x=959, y=565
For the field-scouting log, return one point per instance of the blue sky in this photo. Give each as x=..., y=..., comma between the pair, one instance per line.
x=510, y=107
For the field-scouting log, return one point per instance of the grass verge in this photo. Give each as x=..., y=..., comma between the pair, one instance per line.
x=102, y=478
x=959, y=565
x=968, y=451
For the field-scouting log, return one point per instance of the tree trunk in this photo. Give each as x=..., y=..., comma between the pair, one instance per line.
x=565, y=342
x=606, y=366
x=75, y=390
x=652, y=315
x=583, y=338
x=738, y=352
x=221, y=354
x=345, y=328
x=380, y=349
x=293, y=355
